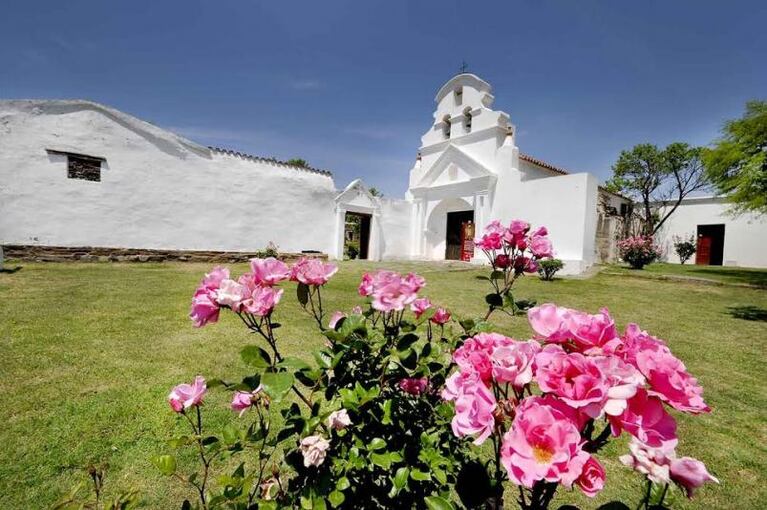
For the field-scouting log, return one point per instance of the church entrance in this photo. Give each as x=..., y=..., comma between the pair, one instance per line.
x=357, y=235
x=459, y=241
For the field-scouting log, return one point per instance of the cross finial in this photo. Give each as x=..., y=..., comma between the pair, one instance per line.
x=464, y=67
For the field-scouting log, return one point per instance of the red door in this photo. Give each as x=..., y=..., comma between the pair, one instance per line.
x=703, y=253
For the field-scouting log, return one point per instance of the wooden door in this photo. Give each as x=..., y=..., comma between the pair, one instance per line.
x=454, y=233
x=703, y=251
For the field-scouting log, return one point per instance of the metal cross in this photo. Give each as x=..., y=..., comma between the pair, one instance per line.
x=464, y=67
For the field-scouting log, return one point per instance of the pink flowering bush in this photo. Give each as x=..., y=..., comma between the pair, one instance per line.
x=513, y=251
x=367, y=421
x=404, y=402
x=638, y=251
x=593, y=383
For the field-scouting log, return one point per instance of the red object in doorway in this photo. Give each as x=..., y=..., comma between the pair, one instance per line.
x=467, y=241
x=703, y=251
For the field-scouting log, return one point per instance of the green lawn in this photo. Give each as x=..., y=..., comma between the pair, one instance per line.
x=721, y=274
x=88, y=353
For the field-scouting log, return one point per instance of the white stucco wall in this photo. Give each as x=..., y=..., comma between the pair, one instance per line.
x=395, y=228
x=745, y=236
x=157, y=190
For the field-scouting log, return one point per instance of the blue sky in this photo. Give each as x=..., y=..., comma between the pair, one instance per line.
x=349, y=85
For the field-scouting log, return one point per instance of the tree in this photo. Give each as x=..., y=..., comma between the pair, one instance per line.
x=737, y=164
x=298, y=162
x=658, y=179
x=374, y=191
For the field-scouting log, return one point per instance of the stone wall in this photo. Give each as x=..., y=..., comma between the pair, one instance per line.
x=34, y=253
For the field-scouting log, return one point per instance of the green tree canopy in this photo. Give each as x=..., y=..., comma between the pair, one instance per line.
x=737, y=163
x=658, y=177
x=298, y=162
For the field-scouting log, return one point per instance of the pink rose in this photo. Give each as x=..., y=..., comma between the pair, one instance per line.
x=502, y=261
x=456, y=384
x=541, y=247
x=592, y=478
x=262, y=301
x=525, y=264
x=204, y=308
x=576, y=416
x=357, y=310
x=518, y=227
x=337, y=316
x=269, y=271
x=391, y=291
x=242, y=400
x=314, y=449
x=213, y=279
x=474, y=408
x=495, y=227
x=312, y=271
x=542, y=445
x=548, y=321
x=489, y=242
x=573, y=377
x=666, y=374
x=366, y=285
x=441, y=316
x=623, y=381
x=513, y=363
x=590, y=332
x=690, y=474
x=654, y=462
x=413, y=385
x=230, y=294
x=540, y=231
x=419, y=306
x=474, y=355
x=185, y=395
x=339, y=420
x=646, y=419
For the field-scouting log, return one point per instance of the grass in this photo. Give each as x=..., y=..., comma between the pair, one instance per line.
x=88, y=353
x=718, y=274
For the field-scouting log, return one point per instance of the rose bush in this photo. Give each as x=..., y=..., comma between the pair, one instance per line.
x=638, y=251
x=398, y=409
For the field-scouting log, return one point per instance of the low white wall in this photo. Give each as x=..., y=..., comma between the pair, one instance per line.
x=157, y=190
x=395, y=228
x=745, y=236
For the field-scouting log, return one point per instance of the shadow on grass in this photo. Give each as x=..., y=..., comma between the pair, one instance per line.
x=10, y=270
x=752, y=277
x=748, y=312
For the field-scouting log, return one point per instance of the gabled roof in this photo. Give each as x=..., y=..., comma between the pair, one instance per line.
x=273, y=161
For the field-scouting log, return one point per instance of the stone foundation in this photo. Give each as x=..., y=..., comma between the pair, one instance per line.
x=34, y=253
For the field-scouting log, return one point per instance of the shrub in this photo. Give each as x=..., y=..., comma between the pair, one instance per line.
x=685, y=247
x=547, y=268
x=352, y=251
x=638, y=251
x=271, y=250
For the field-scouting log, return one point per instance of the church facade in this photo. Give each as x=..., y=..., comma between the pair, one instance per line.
x=77, y=174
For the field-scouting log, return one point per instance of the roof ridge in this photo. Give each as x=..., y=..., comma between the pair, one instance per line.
x=272, y=160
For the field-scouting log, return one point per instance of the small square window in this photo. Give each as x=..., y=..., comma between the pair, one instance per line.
x=83, y=167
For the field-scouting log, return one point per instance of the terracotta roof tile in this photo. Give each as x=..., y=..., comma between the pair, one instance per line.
x=274, y=161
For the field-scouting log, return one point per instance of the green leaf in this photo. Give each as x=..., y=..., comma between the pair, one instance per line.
x=166, y=464
x=377, y=444
x=497, y=275
x=293, y=363
x=343, y=483
x=336, y=498
x=420, y=476
x=438, y=503
x=386, y=408
x=255, y=356
x=400, y=477
x=277, y=384
x=382, y=460
x=230, y=433
x=302, y=293
x=494, y=300
x=406, y=341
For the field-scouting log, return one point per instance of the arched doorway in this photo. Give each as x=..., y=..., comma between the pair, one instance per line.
x=447, y=230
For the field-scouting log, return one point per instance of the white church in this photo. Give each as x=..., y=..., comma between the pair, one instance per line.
x=79, y=177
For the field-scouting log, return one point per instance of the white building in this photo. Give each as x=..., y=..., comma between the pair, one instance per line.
x=721, y=238
x=80, y=176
